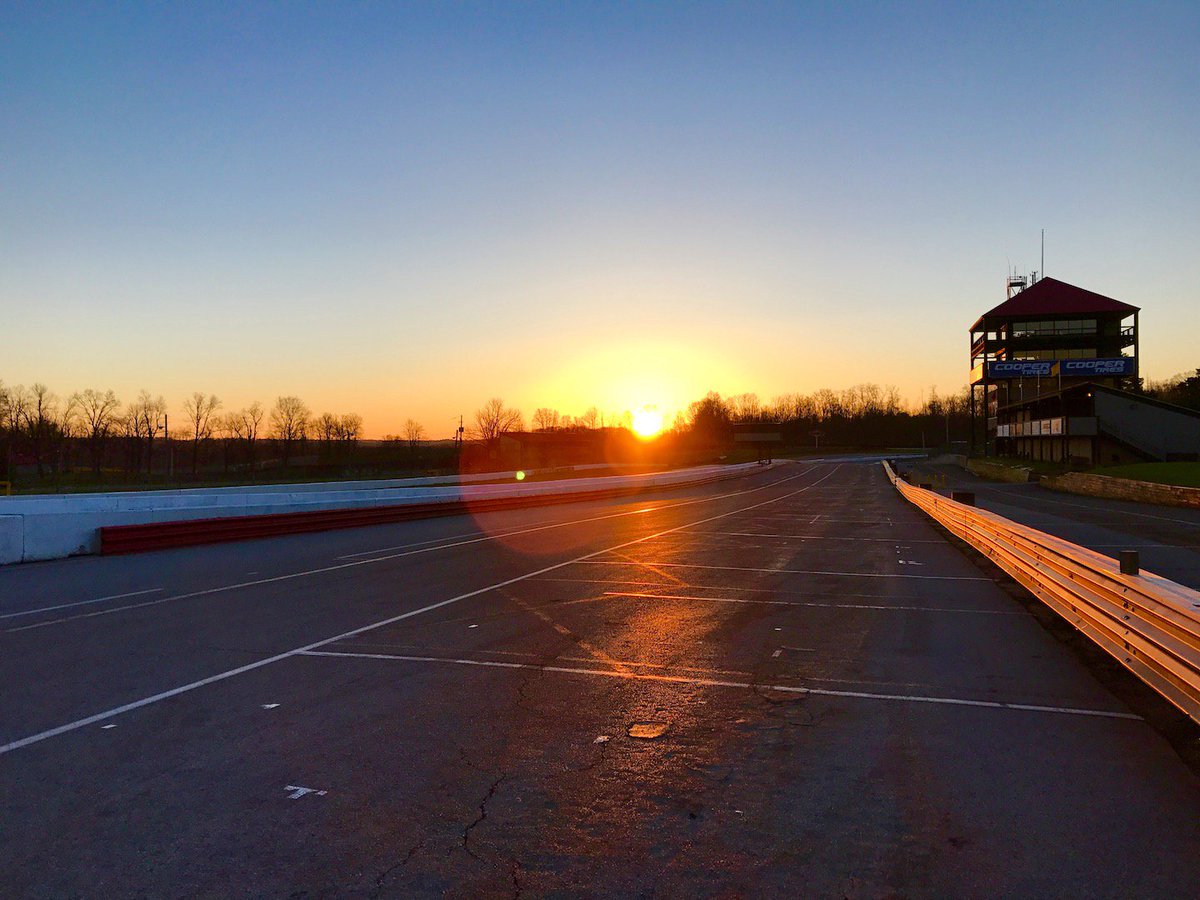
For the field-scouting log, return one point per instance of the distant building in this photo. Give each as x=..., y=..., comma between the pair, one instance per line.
x=1053, y=369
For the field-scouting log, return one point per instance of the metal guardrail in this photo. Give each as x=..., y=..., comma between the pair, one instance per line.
x=120, y=539
x=1148, y=623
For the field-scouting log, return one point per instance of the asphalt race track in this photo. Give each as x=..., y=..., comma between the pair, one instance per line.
x=786, y=685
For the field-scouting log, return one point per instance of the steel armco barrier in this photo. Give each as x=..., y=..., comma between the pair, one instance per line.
x=1150, y=624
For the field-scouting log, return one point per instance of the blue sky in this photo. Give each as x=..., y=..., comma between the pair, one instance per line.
x=403, y=209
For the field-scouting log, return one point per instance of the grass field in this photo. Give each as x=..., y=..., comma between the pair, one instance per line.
x=1185, y=474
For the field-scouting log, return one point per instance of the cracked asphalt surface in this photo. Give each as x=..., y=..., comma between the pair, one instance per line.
x=851, y=707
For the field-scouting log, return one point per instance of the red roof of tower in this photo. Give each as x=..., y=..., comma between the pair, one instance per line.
x=1050, y=297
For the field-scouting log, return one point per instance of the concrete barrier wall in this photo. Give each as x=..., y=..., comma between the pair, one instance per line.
x=997, y=472
x=51, y=527
x=12, y=539
x=1124, y=489
x=364, y=485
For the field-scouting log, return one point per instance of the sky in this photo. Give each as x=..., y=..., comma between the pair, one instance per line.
x=402, y=210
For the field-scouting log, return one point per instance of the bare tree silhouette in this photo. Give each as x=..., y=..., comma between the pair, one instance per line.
x=590, y=418
x=41, y=423
x=326, y=427
x=494, y=419
x=244, y=425
x=546, y=419
x=350, y=426
x=289, y=423
x=145, y=420
x=414, y=431
x=200, y=412
x=98, y=413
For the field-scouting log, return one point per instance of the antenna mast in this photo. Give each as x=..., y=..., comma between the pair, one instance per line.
x=1043, y=252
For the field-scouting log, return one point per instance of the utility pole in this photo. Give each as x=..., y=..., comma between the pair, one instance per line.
x=170, y=466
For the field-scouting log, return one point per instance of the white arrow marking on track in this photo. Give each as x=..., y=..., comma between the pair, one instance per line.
x=298, y=792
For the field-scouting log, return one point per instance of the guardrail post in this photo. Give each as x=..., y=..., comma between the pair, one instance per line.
x=1130, y=564
x=967, y=498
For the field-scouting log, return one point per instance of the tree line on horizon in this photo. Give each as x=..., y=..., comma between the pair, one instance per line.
x=1181, y=390
x=50, y=433
x=39, y=428
x=866, y=414
x=38, y=425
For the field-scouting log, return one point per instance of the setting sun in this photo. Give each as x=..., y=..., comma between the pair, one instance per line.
x=647, y=423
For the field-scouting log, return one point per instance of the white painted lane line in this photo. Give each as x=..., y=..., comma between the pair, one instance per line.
x=42, y=609
x=666, y=565
x=745, y=685
x=805, y=603
x=658, y=585
x=862, y=523
x=465, y=539
x=409, y=546
x=1099, y=510
x=393, y=648
x=366, y=562
x=812, y=537
x=288, y=654
x=297, y=792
